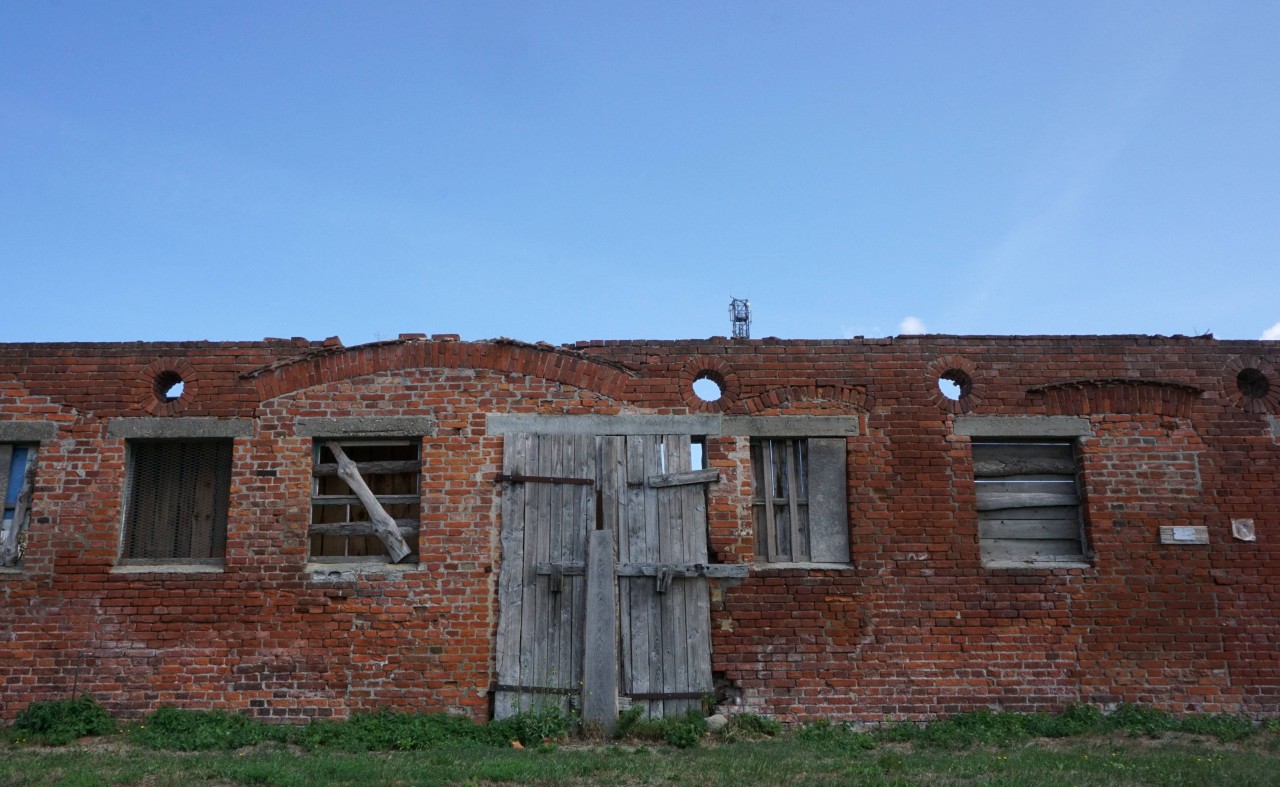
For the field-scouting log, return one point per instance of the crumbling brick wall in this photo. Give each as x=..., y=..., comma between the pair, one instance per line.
x=914, y=626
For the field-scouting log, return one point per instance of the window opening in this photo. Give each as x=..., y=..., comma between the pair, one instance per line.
x=707, y=389
x=1253, y=383
x=780, y=470
x=178, y=497
x=955, y=384
x=341, y=528
x=698, y=453
x=17, y=476
x=1028, y=502
x=169, y=386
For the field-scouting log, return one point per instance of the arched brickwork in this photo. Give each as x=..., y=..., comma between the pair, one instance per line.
x=545, y=361
x=1117, y=395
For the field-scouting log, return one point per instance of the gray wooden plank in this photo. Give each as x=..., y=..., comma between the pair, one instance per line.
x=600, y=660
x=995, y=502
x=510, y=582
x=697, y=592
x=1065, y=513
x=407, y=527
x=675, y=612
x=387, y=467
x=684, y=477
x=634, y=618
x=535, y=531
x=1034, y=529
x=1018, y=549
x=828, y=500
x=1061, y=485
x=654, y=550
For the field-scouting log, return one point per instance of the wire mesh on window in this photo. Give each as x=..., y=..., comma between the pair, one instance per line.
x=780, y=498
x=391, y=472
x=178, y=495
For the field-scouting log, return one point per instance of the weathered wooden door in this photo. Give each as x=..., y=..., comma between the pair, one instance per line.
x=648, y=507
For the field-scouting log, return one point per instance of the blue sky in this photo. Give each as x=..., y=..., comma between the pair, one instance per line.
x=565, y=171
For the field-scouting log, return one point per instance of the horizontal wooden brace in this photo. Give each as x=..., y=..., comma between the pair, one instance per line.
x=536, y=689
x=407, y=527
x=541, y=479
x=669, y=695
x=714, y=570
x=370, y=468
x=680, y=479
x=386, y=500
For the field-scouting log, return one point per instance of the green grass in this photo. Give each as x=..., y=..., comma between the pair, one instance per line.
x=1134, y=745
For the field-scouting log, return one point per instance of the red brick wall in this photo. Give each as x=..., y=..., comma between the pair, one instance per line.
x=914, y=627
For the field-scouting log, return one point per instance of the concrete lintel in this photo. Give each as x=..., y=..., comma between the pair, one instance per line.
x=604, y=424
x=179, y=428
x=790, y=426
x=1023, y=426
x=27, y=431
x=366, y=426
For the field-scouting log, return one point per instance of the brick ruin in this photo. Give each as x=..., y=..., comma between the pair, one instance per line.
x=1075, y=519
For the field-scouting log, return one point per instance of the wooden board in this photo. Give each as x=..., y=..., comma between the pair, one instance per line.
x=1028, y=502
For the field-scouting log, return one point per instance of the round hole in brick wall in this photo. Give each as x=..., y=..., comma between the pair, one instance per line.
x=169, y=386
x=1253, y=383
x=954, y=384
x=707, y=388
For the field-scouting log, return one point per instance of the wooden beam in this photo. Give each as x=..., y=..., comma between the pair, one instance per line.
x=407, y=527
x=371, y=468
x=600, y=655
x=680, y=479
x=385, y=527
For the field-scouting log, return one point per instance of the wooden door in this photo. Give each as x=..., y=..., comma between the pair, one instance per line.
x=651, y=505
x=548, y=503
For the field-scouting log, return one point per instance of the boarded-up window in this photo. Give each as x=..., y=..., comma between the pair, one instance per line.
x=1028, y=502
x=341, y=528
x=177, y=504
x=17, y=473
x=798, y=500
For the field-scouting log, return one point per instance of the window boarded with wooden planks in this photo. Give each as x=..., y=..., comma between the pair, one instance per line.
x=1028, y=502
x=341, y=528
x=799, y=500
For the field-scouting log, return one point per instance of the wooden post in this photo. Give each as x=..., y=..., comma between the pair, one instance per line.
x=384, y=527
x=600, y=656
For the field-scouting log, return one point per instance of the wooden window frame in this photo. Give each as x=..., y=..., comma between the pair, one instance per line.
x=16, y=483
x=1029, y=528
x=799, y=483
x=351, y=527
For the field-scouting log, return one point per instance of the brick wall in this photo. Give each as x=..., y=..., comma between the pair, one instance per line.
x=915, y=626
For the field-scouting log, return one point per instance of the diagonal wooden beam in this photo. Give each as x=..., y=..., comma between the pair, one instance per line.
x=384, y=527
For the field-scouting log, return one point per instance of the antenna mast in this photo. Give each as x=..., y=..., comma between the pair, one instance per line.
x=740, y=316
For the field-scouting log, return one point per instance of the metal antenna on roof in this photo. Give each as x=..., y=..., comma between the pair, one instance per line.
x=740, y=316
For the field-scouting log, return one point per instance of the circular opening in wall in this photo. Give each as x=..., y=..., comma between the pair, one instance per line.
x=169, y=386
x=1253, y=383
x=955, y=384
x=707, y=388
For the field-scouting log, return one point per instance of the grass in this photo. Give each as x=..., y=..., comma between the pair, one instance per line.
x=1134, y=745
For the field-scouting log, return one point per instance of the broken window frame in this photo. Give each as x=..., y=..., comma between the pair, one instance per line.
x=215, y=506
x=17, y=481
x=326, y=485
x=1012, y=532
x=794, y=501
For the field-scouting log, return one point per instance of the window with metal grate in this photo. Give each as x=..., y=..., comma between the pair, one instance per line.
x=178, y=496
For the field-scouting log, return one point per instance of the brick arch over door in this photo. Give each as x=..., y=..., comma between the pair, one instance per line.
x=548, y=363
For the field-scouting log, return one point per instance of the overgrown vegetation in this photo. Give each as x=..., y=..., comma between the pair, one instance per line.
x=60, y=722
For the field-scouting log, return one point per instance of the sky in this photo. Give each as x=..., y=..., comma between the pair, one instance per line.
x=564, y=171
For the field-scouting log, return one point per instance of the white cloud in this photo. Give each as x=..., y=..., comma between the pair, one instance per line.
x=914, y=325
x=1272, y=334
